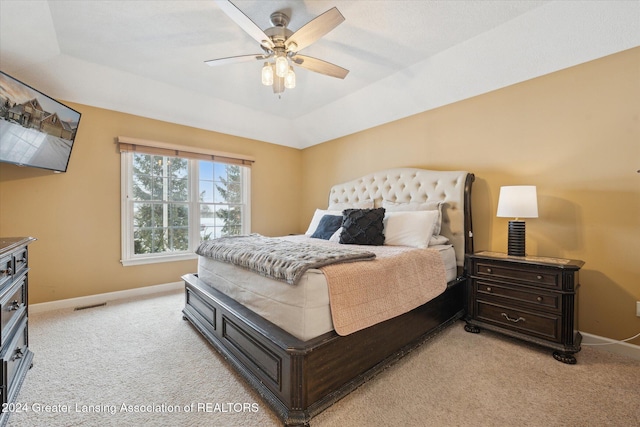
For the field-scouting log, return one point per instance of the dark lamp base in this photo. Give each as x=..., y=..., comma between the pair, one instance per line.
x=516, y=242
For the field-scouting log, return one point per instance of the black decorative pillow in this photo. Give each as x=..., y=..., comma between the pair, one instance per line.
x=328, y=225
x=362, y=227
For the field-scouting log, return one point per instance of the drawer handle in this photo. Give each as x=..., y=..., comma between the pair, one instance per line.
x=513, y=320
x=539, y=299
x=17, y=355
x=7, y=271
x=21, y=260
x=489, y=270
x=539, y=277
x=489, y=289
x=15, y=305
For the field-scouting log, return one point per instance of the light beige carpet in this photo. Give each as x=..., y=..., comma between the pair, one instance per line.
x=139, y=364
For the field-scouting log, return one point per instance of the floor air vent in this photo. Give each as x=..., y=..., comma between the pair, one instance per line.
x=90, y=306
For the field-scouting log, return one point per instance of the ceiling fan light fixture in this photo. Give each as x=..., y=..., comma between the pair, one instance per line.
x=280, y=46
x=267, y=74
x=290, y=79
x=282, y=66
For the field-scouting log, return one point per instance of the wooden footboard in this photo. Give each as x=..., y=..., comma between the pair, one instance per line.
x=298, y=379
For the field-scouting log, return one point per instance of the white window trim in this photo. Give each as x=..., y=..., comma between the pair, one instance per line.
x=126, y=215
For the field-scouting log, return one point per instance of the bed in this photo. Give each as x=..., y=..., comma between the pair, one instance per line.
x=300, y=372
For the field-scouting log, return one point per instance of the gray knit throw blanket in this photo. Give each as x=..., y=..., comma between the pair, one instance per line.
x=277, y=258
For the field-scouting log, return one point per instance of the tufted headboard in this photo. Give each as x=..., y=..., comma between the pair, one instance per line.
x=408, y=185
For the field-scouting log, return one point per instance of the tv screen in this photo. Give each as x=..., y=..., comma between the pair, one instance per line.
x=35, y=130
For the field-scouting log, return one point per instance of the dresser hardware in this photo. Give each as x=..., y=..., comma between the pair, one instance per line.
x=7, y=271
x=488, y=288
x=18, y=354
x=14, y=306
x=539, y=277
x=513, y=320
x=489, y=270
x=539, y=299
x=21, y=260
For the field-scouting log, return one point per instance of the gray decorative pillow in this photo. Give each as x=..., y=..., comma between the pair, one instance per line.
x=362, y=227
x=328, y=225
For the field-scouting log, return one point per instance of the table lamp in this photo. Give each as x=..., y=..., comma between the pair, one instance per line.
x=518, y=201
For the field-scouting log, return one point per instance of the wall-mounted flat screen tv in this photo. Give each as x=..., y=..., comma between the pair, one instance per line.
x=35, y=130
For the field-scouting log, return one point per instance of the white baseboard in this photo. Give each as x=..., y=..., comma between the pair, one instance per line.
x=618, y=347
x=103, y=298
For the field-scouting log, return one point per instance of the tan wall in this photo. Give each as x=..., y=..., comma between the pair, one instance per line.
x=76, y=215
x=575, y=134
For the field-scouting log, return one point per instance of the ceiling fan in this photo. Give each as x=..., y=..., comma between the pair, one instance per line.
x=280, y=46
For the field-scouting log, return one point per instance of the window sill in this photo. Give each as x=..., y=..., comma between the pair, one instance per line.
x=158, y=259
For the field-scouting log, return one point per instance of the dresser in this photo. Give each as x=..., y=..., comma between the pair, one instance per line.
x=14, y=336
x=530, y=298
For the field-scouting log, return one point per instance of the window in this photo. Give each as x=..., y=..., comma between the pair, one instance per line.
x=172, y=203
x=220, y=200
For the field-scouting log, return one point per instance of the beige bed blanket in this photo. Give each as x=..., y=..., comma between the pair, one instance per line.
x=365, y=293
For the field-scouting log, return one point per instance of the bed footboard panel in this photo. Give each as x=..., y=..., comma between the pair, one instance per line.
x=298, y=379
x=260, y=360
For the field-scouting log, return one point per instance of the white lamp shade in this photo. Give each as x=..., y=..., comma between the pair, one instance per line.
x=518, y=201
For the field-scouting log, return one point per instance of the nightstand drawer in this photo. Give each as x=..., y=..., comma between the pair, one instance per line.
x=535, y=298
x=539, y=277
x=543, y=325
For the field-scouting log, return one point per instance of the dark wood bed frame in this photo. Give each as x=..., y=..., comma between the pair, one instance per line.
x=299, y=379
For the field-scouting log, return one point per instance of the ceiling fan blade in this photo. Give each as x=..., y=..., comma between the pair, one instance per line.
x=245, y=23
x=236, y=59
x=314, y=29
x=320, y=66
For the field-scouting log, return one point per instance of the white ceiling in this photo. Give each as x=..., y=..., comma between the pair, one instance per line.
x=405, y=57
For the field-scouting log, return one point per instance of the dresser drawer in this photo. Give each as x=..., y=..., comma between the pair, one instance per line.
x=540, y=277
x=14, y=355
x=535, y=298
x=20, y=260
x=6, y=268
x=546, y=326
x=13, y=302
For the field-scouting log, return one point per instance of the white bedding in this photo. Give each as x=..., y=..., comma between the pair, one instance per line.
x=302, y=310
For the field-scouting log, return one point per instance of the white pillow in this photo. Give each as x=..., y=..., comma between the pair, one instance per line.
x=317, y=216
x=365, y=204
x=417, y=206
x=409, y=228
x=438, y=240
x=335, y=237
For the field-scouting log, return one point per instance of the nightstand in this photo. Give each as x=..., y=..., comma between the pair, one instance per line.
x=530, y=298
